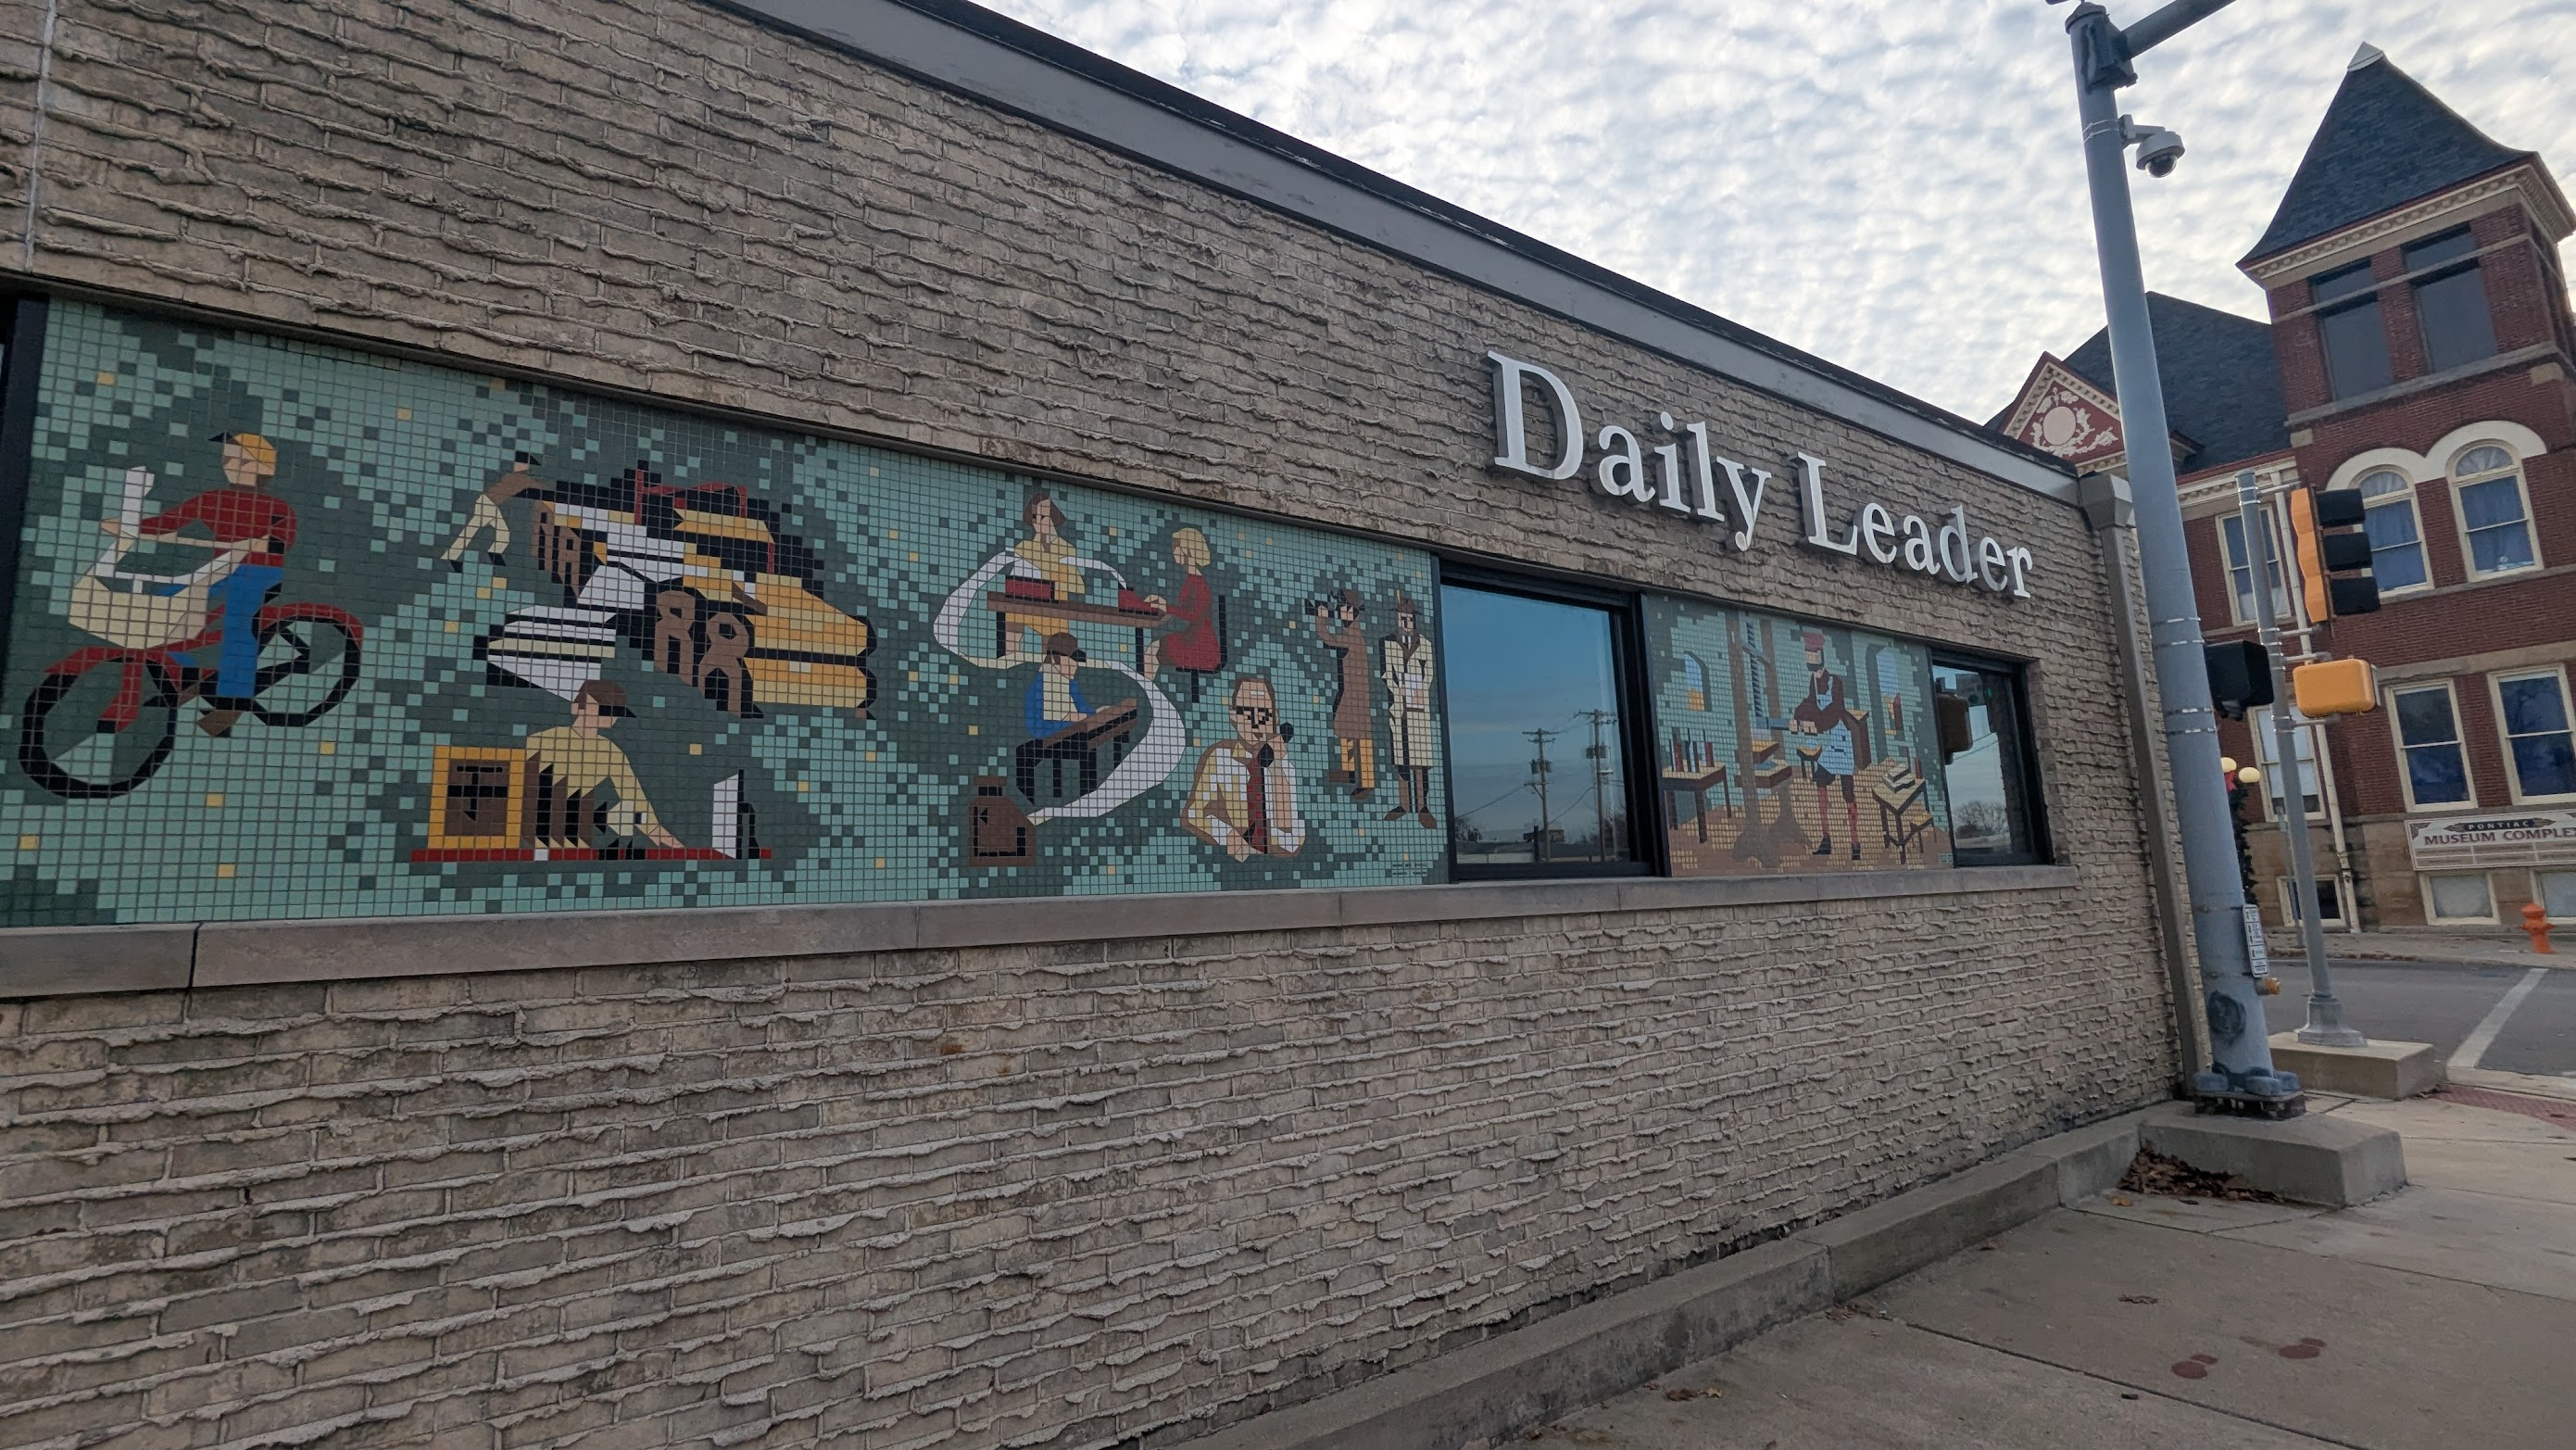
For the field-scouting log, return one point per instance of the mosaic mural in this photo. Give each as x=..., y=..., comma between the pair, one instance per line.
x=1789, y=747
x=306, y=633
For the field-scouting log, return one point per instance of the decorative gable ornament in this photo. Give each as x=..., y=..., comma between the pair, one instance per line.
x=2063, y=413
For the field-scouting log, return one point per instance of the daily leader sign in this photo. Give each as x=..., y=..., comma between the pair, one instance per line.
x=2519, y=838
x=1684, y=482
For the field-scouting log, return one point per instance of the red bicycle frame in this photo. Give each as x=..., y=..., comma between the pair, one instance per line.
x=127, y=708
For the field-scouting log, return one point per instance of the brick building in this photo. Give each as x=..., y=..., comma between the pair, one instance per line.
x=761, y=723
x=2420, y=350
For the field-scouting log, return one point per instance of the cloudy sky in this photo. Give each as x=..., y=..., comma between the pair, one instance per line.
x=1892, y=184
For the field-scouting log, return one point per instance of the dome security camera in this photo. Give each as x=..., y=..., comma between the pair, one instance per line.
x=2158, y=149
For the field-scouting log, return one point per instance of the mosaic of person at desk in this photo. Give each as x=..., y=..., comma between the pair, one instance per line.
x=1053, y=707
x=1047, y=554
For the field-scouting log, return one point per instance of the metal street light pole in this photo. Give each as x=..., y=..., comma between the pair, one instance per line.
x=2326, y=1027
x=2242, y=1056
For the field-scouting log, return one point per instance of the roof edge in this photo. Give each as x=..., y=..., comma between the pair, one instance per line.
x=997, y=61
x=2268, y=460
x=2561, y=220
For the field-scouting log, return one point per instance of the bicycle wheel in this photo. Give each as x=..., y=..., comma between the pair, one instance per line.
x=306, y=666
x=68, y=744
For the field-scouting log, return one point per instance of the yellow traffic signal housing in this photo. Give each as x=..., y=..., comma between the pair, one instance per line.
x=2323, y=555
x=2312, y=563
x=2335, y=687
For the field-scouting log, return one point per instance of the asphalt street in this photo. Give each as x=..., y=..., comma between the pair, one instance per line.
x=2444, y=1003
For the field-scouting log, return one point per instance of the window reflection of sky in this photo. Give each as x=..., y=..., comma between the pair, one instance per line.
x=1515, y=665
x=1980, y=812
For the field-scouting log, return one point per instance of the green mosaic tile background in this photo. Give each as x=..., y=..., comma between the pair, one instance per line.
x=1729, y=684
x=879, y=695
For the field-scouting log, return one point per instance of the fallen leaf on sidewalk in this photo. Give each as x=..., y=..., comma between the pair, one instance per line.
x=2137, y=1298
x=2155, y=1173
x=1686, y=1394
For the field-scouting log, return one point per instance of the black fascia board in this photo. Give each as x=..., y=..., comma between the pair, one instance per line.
x=999, y=62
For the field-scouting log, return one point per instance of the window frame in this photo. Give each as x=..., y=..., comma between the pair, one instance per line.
x=2442, y=270
x=2424, y=888
x=1626, y=608
x=2326, y=305
x=22, y=350
x=2325, y=883
x=2312, y=732
x=2411, y=501
x=2504, y=738
x=2540, y=893
x=2521, y=477
x=2459, y=741
x=2020, y=750
x=2240, y=602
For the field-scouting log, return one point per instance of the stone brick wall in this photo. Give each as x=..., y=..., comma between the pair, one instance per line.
x=1064, y=1196
x=976, y=1198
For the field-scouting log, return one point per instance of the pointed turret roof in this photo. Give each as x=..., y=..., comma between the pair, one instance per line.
x=2385, y=141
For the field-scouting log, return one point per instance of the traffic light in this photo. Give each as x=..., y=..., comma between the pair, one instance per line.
x=2240, y=676
x=2322, y=555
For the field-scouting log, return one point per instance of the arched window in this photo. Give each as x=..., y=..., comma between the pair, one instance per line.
x=2396, y=540
x=1694, y=682
x=2495, y=514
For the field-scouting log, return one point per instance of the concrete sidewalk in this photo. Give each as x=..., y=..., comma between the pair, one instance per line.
x=2486, y=946
x=2439, y=1316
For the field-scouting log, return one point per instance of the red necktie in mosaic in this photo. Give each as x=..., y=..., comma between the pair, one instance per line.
x=1256, y=801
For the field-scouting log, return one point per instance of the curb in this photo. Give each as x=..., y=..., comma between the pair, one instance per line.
x=1612, y=1345
x=2477, y=953
x=2530, y=1084
x=2312, y=1158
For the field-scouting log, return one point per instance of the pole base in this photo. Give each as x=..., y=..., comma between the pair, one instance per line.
x=2326, y=1026
x=2255, y=1092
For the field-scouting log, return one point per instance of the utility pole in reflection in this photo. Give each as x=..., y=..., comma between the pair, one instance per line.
x=1599, y=755
x=1539, y=768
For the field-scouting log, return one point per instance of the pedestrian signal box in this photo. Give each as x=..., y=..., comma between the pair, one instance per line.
x=2335, y=687
x=2240, y=676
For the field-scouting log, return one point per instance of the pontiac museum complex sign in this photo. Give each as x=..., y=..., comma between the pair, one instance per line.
x=2519, y=838
x=1689, y=488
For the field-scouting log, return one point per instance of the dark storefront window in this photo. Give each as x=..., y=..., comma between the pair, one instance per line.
x=2451, y=306
x=2356, y=345
x=1538, y=776
x=1983, y=762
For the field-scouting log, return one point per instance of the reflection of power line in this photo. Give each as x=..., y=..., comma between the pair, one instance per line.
x=1569, y=805
x=1498, y=800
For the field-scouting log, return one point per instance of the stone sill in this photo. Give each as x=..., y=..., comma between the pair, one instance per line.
x=56, y=961
x=2500, y=362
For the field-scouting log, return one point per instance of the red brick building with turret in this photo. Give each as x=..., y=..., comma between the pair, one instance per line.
x=2420, y=349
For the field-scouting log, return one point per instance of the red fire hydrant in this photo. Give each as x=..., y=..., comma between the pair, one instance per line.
x=2535, y=921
